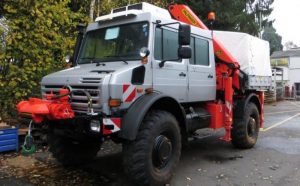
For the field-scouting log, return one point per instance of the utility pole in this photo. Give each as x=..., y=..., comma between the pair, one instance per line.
x=260, y=19
x=92, y=8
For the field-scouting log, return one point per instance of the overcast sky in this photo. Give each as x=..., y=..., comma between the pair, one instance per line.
x=287, y=20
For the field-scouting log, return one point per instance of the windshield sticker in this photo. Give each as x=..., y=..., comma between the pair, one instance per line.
x=112, y=33
x=145, y=29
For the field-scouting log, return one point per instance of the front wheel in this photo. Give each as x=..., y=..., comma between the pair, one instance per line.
x=152, y=157
x=71, y=153
x=244, y=132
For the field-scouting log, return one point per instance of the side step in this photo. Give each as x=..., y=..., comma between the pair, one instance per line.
x=197, y=119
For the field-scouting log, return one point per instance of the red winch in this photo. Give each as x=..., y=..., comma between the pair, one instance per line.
x=54, y=107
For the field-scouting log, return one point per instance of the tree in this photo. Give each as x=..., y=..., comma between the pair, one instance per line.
x=261, y=9
x=40, y=34
x=234, y=15
x=274, y=39
x=92, y=9
x=2, y=40
x=3, y=33
x=95, y=8
x=289, y=45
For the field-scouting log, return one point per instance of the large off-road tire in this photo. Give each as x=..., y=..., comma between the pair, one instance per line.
x=71, y=153
x=244, y=131
x=152, y=157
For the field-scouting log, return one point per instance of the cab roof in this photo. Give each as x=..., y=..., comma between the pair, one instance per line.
x=134, y=10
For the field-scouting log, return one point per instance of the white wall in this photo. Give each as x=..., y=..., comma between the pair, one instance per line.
x=294, y=71
x=285, y=74
x=294, y=63
x=294, y=76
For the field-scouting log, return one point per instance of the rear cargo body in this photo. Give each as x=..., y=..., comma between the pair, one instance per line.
x=252, y=55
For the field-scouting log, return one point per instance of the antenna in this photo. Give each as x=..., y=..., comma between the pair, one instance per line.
x=211, y=17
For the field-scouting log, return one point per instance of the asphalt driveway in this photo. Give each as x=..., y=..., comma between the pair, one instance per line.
x=275, y=160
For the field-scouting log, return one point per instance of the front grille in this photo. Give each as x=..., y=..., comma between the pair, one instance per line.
x=79, y=99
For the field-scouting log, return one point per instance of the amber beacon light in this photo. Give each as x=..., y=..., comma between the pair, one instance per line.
x=211, y=16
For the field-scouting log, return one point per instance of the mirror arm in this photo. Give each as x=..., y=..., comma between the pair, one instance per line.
x=162, y=63
x=72, y=59
x=166, y=24
x=81, y=27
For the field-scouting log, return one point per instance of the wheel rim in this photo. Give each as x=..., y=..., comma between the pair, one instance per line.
x=252, y=127
x=162, y=151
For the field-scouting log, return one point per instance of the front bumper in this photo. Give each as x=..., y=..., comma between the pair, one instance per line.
x=111, y=125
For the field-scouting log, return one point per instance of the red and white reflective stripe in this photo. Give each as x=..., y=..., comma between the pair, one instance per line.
x=129, y=93
x=114, y=125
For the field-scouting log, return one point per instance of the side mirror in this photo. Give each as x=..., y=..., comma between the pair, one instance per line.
x=184, y=34
x=69, y=59
x=184, y=52
x=144, y=52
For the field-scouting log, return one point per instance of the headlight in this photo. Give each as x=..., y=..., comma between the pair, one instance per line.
x=95, y=125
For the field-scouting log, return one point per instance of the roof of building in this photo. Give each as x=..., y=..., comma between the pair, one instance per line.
x=287, y=53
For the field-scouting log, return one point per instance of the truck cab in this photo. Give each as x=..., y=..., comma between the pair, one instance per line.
x=109, y=64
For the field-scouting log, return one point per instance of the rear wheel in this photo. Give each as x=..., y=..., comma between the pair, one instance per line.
x=244, y=131
x=71, y=153
x=152, y=157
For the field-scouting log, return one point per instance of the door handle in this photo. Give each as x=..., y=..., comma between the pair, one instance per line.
x=182, y=74
x=210, y=76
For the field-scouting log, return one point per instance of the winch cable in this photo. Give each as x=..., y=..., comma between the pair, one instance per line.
x=28, y=147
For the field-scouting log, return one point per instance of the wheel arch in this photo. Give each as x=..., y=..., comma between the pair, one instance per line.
x=131, y=120
x=240, y=105
x=253, y=98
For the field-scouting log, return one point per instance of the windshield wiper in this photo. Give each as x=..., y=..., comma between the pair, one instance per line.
x=98, y=63
x=125, y=61
x=118, y=58
x=92, y=60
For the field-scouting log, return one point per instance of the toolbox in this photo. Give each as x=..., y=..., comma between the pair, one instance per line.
x=9, y=139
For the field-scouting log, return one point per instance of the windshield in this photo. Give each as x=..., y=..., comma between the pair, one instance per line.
x=114, y=43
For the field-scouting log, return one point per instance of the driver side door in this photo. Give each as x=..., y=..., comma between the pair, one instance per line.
x=171, y=79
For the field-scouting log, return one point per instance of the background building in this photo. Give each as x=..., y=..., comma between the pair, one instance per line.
x=287, y=63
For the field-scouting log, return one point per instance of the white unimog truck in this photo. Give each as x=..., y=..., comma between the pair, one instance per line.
x=149, y=78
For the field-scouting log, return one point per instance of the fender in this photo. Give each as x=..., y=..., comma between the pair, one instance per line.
x=134, y=116
x=240, y=104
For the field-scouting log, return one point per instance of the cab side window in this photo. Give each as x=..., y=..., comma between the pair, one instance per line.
x=192, y=45
x=200, y=52
x=166, y=44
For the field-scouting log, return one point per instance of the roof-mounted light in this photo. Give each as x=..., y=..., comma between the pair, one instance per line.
x=119, y=15
x=211, y=16
x=134, y=10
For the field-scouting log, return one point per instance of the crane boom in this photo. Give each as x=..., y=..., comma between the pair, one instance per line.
x=185, y=14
